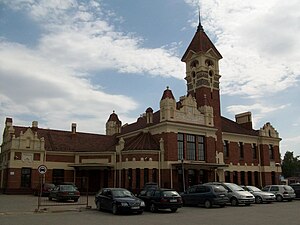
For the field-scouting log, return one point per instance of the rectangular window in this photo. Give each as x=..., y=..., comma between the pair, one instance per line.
x=154, y=175
x=129, y=177
x=138, y=178
x=146, y=175
x=241, y=146
x=58, y=176
x=254, y=154
x=26, y=177
x=180, y=146
x=191, y=147
x=226, y=149
x=201, y=148
x=271, y=151
x=123, y=177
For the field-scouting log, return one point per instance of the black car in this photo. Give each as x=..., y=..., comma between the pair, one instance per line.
x=161, y=198
x=118, y=200
x=205, y=194
x=296, y=187
x=64, y=192
x=44, y=190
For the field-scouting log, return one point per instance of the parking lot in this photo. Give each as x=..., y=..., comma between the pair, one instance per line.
x=20, y=209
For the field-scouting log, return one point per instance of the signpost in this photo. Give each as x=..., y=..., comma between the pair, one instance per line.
x=42, y=169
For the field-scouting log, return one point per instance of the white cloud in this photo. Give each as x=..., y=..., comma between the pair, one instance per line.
x=291, y=143
x=51, y=92
x=78, y=41
x=258, y=41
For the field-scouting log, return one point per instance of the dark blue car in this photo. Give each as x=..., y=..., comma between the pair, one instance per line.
x=205, y=194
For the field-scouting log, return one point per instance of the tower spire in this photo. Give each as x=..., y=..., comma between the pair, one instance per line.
x=199, y=28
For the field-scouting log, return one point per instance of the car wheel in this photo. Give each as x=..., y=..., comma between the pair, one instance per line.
x=114, y=209
x=76, y=200
x=234, y=202
x=279, y=198
x=173, y=210
x=222, y=206
x=207, y=204
x=50, y=198
x=153, y=208
x=258, y=200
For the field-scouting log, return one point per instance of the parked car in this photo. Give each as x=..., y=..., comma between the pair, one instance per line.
x=64, y=192
x=282, y=192
x=205, y=194
x=69, y=183
x=236, y=194
x=118, y=200
x=161, y=198
x=260, y=196
x=296, y=188
x=148, y=186
x=44, y=190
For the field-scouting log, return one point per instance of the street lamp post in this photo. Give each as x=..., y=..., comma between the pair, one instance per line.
x=277, y=168
x=183, y=178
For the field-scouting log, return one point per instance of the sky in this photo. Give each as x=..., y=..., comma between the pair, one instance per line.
x=65, y=61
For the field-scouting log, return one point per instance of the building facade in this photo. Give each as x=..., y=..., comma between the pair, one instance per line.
x=185, y=142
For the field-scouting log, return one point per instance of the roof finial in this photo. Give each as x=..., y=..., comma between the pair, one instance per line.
x=199, y=28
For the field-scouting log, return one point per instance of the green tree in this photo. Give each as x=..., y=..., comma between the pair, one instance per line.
x=290, y=165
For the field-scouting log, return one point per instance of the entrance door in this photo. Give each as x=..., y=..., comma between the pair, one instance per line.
x=191, y=178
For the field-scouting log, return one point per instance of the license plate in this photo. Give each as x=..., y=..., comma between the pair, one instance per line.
x=71, y=193
x=173, y=200
x=135, y=207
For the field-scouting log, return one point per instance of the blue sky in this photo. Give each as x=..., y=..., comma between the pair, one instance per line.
x=64, y=61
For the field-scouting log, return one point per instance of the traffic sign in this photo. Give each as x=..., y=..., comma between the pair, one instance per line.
x=42, y=169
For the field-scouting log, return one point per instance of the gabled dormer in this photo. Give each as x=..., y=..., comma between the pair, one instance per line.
x=113, y=124
x=167, y=106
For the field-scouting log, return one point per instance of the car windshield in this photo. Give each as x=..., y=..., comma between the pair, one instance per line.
x=121, y=193
x=288, y=188
x=252, y=188
x=234, y=187
x=219, y=188
x=170, y=193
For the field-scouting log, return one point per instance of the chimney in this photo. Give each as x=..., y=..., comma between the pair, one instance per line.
x=35, y=124
x=8, y=122
x=244, y=119
x=73, y=128
x=149, y=115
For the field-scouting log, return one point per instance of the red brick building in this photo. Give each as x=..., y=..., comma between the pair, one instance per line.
x=185, y=142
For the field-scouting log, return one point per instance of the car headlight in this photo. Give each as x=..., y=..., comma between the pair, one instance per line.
x=142, y=203
x=124, y=204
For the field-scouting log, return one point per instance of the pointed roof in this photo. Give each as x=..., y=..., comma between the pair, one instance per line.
x=200, y=43
x=66, y=141
x=167, y=94
x=230, y=126
x=114, y=117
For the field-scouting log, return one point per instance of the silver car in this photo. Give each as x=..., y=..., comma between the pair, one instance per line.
x=236, y=194
x=282, y=192
x=260, y=196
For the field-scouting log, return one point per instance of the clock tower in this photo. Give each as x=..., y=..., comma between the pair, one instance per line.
x=202, y=75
